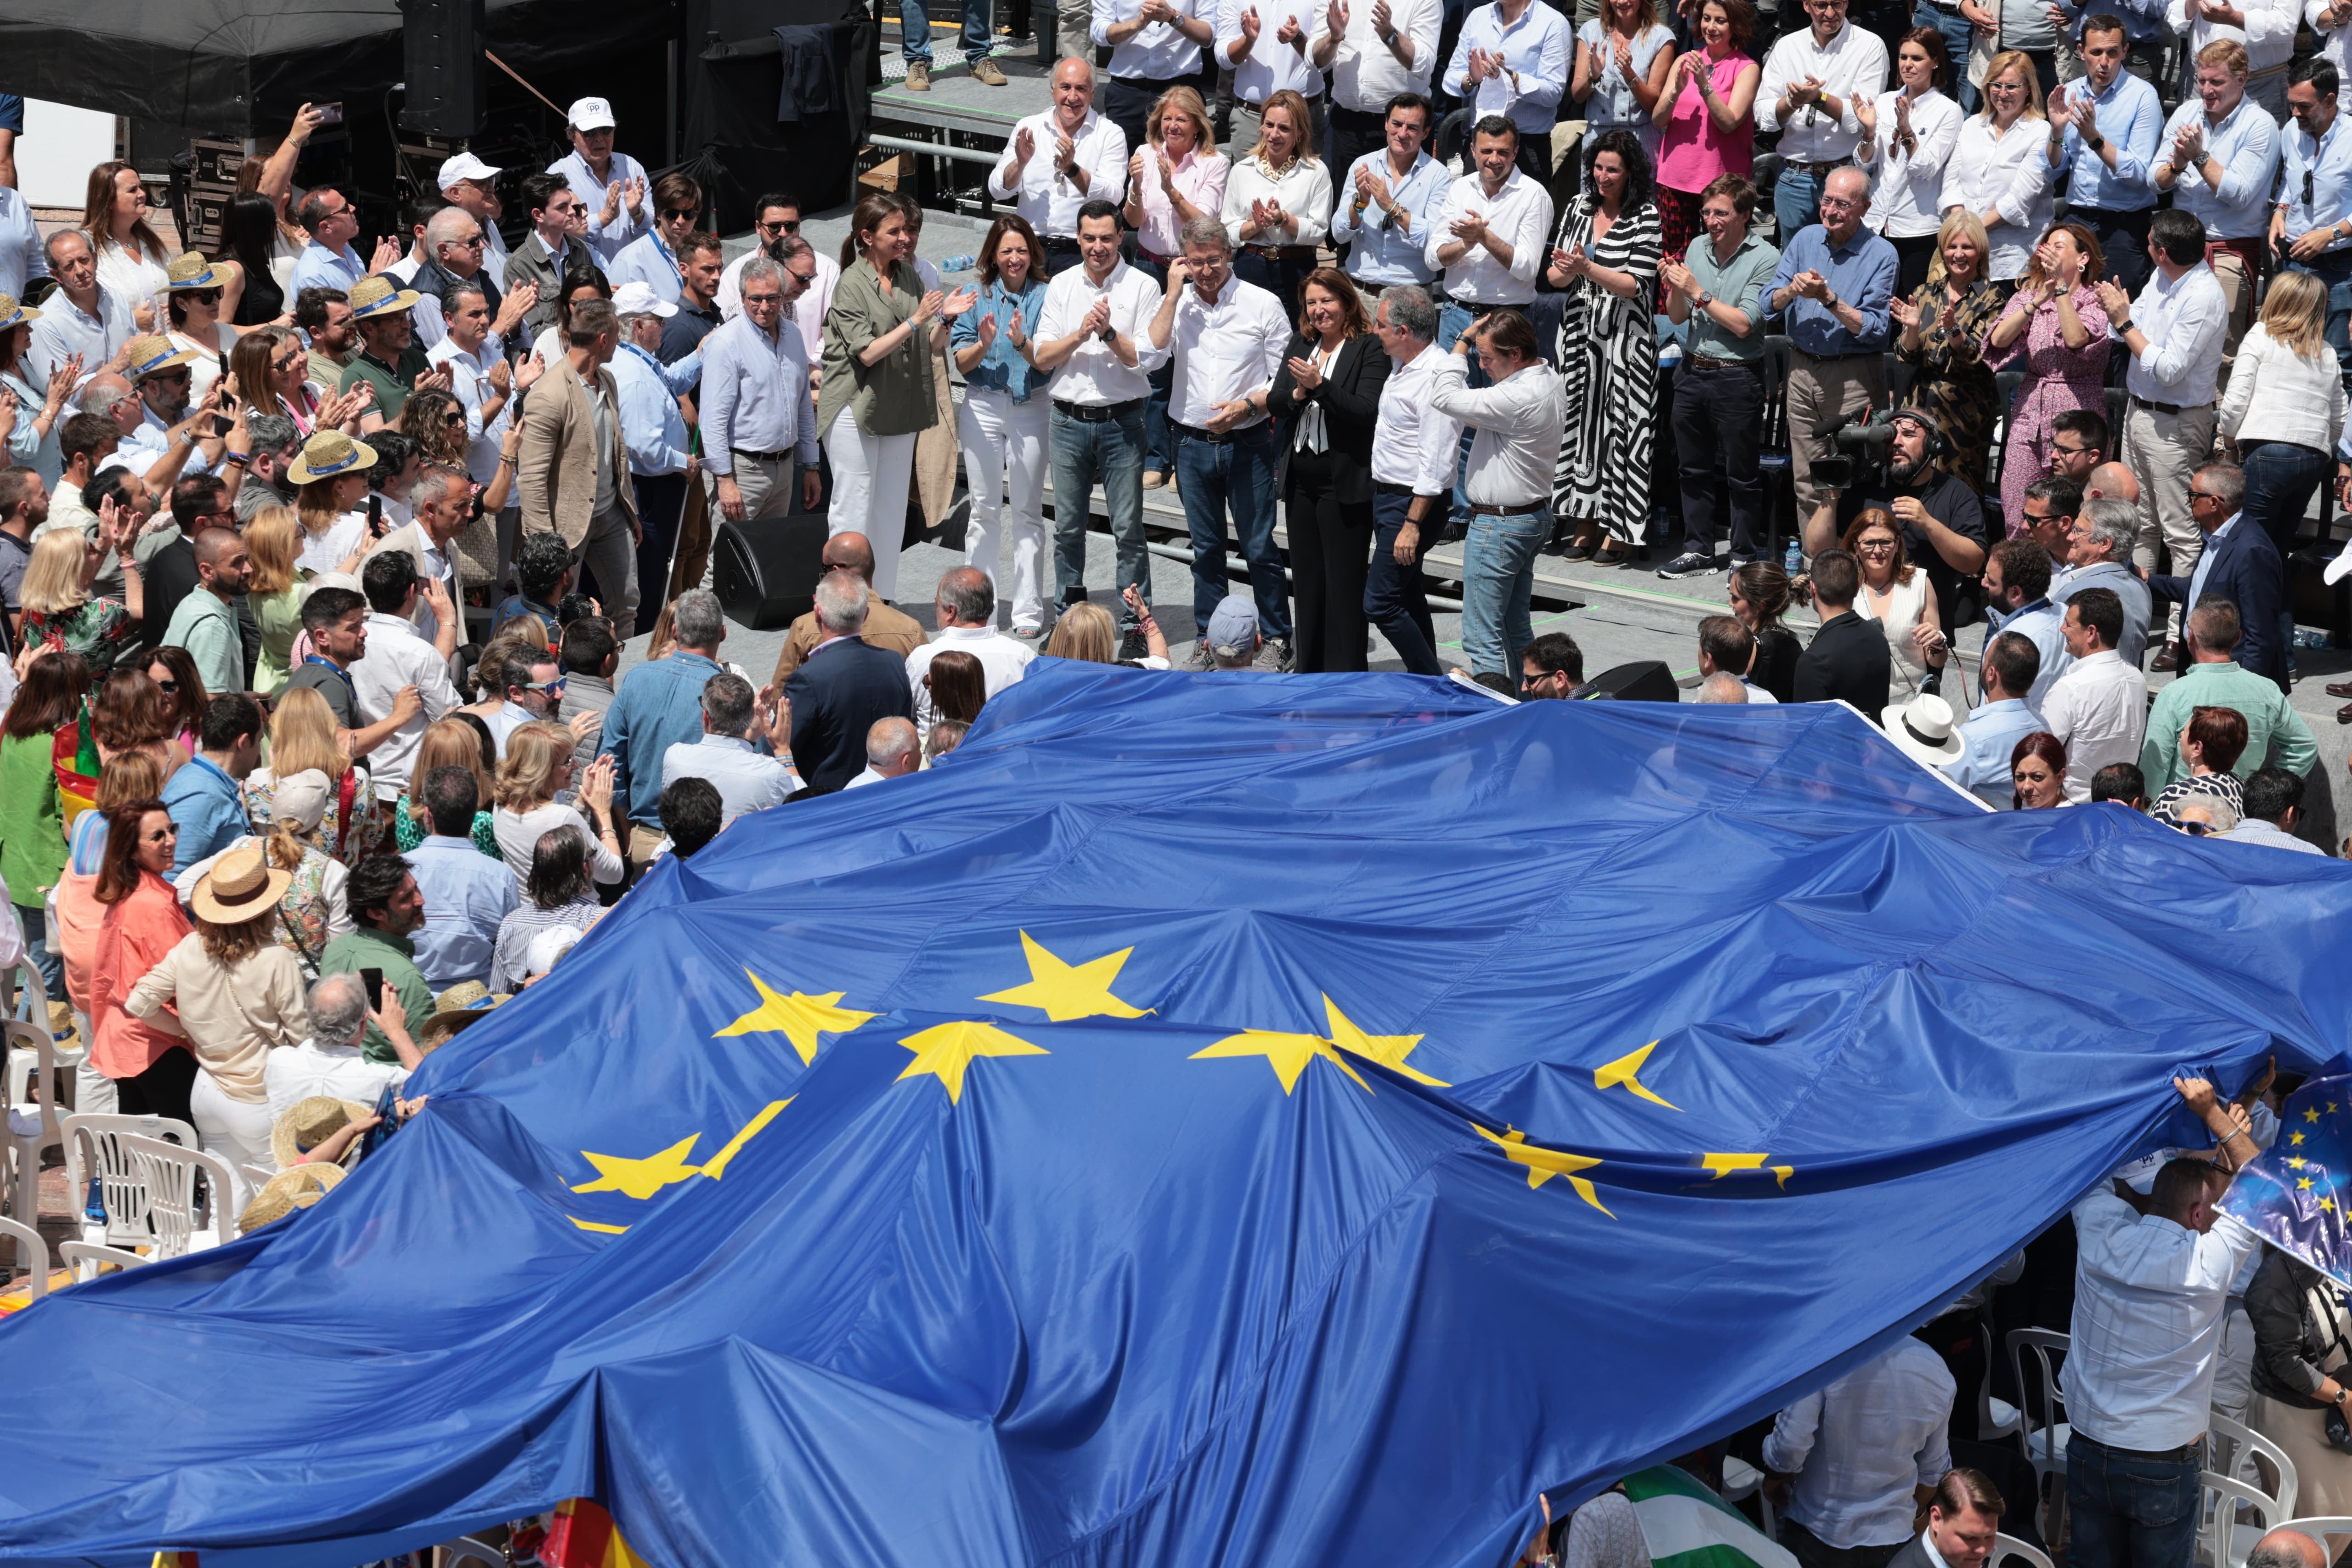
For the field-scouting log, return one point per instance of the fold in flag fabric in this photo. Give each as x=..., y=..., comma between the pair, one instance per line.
x=1208, y=1121
x=1685, y=1525
x=2292, y=1194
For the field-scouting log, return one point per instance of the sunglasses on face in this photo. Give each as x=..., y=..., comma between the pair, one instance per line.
x=213, y=296
x=170, y=688
x=552, y=687
x=2196, y=829
x=763, y=299
x=454, y=421
x=288, y=361
x=791, y=226
x=674, y=213
x=178, y=373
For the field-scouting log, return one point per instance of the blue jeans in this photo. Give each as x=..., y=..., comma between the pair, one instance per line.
x=915, y=29
x=2130, y=1513
x=1239, y=474
x=1797, y=200
x=1080, y=452
x=1956, y=30
x=1159, y=448
x=1393, y=599
x=34, y=923
x=1498, y=575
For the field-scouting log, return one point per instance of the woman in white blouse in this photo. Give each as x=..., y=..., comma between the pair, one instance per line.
x=2283, y=411
x=1998, y=171
x=1176, y=175
x=1908, y=137
x=1279, y=203
x=131, y=255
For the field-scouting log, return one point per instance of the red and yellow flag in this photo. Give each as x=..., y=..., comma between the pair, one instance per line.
x=581, y=1536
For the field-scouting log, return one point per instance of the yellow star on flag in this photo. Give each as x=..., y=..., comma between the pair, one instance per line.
x=1722, y=1166
x=2295, y=1165
x=2327, y=1205
x=2302, y=1184
x=1067, y=991
x=944, y=1051
x=1622, y=1071
x=2310, y=1116
x=797, y=1018
x=2295, y=1138
x=1288, y=1054
x=2331, y=1107
x=641, y=1178
x=1389, y=1050
x=1543, y=1164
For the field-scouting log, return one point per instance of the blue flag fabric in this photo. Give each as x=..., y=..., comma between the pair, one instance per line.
x=1208, y=1121
x=2293, y=1193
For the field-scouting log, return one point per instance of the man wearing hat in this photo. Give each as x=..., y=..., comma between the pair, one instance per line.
x=194, y=303
x=1923, y=730
x=1232, y=639
x=162, y=376
x=652, y=427
x=389, y=360
x=471, y=185
x=1941, y=515
x=611, y=185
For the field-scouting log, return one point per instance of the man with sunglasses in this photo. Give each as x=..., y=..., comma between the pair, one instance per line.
x=167, y=430
x=471, y=185
x=777, y=223
x=532, y=685
x=652, y=258
x=2311, y=228
x=454, y=248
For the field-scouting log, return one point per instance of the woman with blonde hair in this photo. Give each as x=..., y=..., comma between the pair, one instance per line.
x=2283, y=411
x=1943, y=326
x=451, y=744
x=1086, y=633
x=272, y=370
x=2054, y=328
x=330, y=485
x=1623, y=60
x=536, y=769
x=59, y=612
x=1999, y=171
x=132, y=260
x=302, y=735
x=272, y=540
x=1277, y=207
x=1176, y=175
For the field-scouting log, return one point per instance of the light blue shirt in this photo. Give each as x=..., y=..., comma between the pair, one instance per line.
x=658, y=705
x=755, y=394
x=2126, y=585
x=145, y=446
x=466, y=894
x=319, y=268
x=2131, y=120
x=2044, y=625
x=608, y=242
x=1002, y=368
x=1611, y=104
x=21, y=255
x=647, y=259
x=1861, y=273
x=2246, y=146
x=1990, y=734
x=2329, y=162
x=1382, y=252
x=2144, y=20
x=26, y=449
x=2205, y=560
x=747, y=777
x=651, y=426
x=1537, y=46
x=208, y=808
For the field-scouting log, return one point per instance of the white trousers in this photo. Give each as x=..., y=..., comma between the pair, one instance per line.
x=238, y=1132
x=1004, y=443
x=870, y=474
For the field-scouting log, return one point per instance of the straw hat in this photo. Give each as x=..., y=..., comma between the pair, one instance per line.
x=459, y=1009
x=241, y=885
x=154, y=355
x=327, y=454
x=189, y=270
x=289, y=1190
x=1923, y=729
x=14, y=314
x=377, y=296
x=306, y=1123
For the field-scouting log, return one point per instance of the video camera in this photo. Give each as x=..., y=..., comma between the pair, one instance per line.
x=1859, y=452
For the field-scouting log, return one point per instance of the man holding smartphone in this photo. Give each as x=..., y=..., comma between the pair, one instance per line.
x=387, y=910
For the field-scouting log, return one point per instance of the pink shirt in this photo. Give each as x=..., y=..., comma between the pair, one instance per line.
x=1694, y=153
x=1201, y=180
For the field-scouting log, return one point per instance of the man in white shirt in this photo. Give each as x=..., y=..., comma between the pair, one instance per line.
x=471, y=184
x=1226, y=338
x=480, y=376
x=1808, y=91
x=397, y=656
x=892, y=752
x=2219, y=157
x=1512, y=59
x=759, y=411
x=330, y=1062
x=79, y=317
x=1266, y=44
x=2174, y=332
x=1374, y=49
x=1519, y=421
x=2151, y=1284
x=736, y=752
x=611, y=185
x=2099, y=708
x=1862, y=1456
x=1092, y=339
x=1061, y=160
x=1154, y=45
x=1414, y=452
x=966, y=622
x=2264, y=29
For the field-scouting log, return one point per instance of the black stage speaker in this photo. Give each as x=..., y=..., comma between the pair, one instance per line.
x=449, y=79
x=1644, y=681
x=767, y=571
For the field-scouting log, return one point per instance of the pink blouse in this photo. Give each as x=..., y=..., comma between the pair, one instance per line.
x=1201, y=182
x=1695, y=152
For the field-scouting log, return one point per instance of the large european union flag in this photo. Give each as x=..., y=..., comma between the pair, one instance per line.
x=1209, y=1123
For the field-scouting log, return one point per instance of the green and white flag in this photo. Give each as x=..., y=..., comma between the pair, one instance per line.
x=1686, y=1526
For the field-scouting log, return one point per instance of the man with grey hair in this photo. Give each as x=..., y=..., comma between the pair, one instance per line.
x=967, y=623
x=329, y=1062
x=1062, y=158
x=653, y=427
x=2098, y=555
x=456, y=251
x=573, y=468
x=1722, y=686
x=2240, y=564
x=440, y=504
x=1835, y=281
x=736, y=752
x=892, y=752
x=842, y=688
x=759, y=411
x=659, y=705
x=81, y=318
x=1413, y=453
x=275, y=441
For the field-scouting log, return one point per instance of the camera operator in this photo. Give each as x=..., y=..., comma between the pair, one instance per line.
x=1941, y=518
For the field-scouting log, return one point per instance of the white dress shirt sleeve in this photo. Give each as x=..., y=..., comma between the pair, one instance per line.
x=1791, y=1442
x=1778, y=75
x=805, y=422
x=1551, y=67
x=1106, y=174
x=2022, y=186
x=1105, y=12
x=1427, y=23
x=1441, y=451
x=2202, y=315
x=1004, y=179
x=1313, y=213
x=1140, y=297
x=1528, y=245
x=1229, y=34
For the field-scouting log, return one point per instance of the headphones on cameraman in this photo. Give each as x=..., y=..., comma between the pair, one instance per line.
x=1936, y=444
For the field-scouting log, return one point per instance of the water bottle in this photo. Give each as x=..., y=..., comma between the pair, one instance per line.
x=959, y=264
x=2311, y=636
x=1793, y=561
x=93, y=1209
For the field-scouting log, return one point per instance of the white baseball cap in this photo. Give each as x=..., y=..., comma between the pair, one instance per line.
x=591, y=115
x=635, y=298
x=463, y=166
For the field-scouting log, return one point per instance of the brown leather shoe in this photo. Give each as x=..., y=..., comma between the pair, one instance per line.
x=2344, y=714
x=986, y=73
x=2340, y=688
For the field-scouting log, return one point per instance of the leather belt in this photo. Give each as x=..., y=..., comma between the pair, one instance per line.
x=2187, y=1450
x=1531, y=508
x=1822, y=167
x=1708, y=362
x=1098, y=413
x=1281, y=252
x=1210, y=437
x=1478, y=309
x=2167, y=407
x=1060, y=242
x=1824, y=359
x=762, y=457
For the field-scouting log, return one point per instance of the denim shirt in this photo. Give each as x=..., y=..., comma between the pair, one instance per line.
x=1002, y=368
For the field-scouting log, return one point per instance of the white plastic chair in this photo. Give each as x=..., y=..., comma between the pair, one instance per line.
x=32, y=1254
x=2042, y=1438
x=170, y=1170
x=37, y=1121
x=2006, y=1546
x=94, y=1148
x=2244, y=1442
x=1741, y=1481
x=86, y=1258
x=2000, y=1420
x=2222, y=1541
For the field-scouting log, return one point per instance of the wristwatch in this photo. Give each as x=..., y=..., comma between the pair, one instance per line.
x=2096, y=143
x=1704, y=299
x=2124, y=328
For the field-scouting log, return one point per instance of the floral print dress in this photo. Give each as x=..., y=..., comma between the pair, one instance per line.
x=2057, y=379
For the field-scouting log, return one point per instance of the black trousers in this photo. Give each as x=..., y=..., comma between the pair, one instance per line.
x=1717, y=414
x=1811, y=1552
x=1127, y=104
x=1912, y=256
x=661, y=501
x=161, y=1090
x=1330, y=557
x=1395, y=600
x=2123, y=240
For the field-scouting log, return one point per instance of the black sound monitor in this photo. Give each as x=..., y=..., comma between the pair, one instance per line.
x=447, y=79
x=766, y=570
x=1644, y=681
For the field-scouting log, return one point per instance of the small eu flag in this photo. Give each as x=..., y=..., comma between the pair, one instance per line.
x=2292, y=1195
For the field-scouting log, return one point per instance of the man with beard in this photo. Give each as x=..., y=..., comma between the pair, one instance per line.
x=1942, y=520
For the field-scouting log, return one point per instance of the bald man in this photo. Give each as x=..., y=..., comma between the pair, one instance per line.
x=1835, y=281
x=892, y=752
x=967, y=623
x=886, y=627
x=204, y=622
x=2287, y=1548
x=2111, y=481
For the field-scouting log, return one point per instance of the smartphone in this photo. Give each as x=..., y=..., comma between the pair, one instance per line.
x=372, y=980
x=329, y=113
x=375, y=517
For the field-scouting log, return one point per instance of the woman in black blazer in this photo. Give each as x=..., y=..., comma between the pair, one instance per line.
x=1328, y=393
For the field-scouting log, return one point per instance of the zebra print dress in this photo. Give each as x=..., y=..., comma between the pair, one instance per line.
x=1609, y=361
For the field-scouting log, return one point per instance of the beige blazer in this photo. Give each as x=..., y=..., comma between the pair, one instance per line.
x=558, y=461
